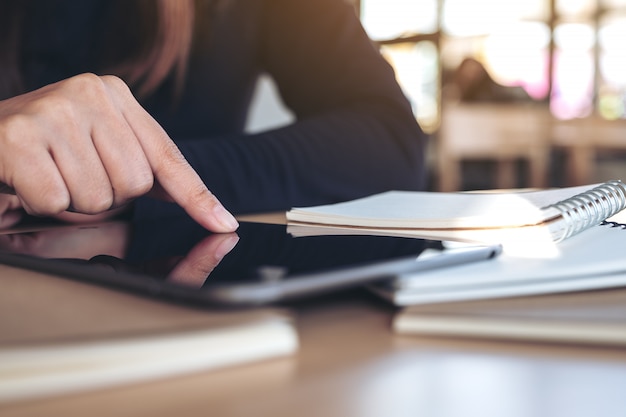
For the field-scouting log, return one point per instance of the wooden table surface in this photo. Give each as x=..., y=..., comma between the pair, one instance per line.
x=351, y=364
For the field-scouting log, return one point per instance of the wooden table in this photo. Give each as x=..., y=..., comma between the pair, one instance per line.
x=351, y=364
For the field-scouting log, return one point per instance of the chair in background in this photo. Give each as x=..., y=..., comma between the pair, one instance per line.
x=502, y=132
x=582, y=140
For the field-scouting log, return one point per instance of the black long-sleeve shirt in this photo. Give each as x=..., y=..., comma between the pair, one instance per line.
x=354, y=133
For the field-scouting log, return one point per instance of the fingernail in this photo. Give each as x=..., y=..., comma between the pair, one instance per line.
x=225, y=217
x=226, y=246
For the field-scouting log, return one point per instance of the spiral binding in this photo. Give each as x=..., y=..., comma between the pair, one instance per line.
x=591, y=207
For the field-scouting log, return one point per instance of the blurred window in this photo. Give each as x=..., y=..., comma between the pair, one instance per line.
x=570, y=53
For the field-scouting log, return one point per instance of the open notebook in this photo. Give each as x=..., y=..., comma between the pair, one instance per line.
x=594, y=317
x=507, y=218
x=59, y=336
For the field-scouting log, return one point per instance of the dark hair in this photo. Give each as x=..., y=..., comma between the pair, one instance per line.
x=165, y=30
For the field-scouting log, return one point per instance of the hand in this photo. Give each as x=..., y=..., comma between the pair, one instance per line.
x=11, y=212
x=86, y=145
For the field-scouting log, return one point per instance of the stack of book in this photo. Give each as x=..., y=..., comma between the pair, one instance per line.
x=566, y=240
x=59, y=336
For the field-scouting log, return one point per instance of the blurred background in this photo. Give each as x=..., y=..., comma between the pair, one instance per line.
x=516, y=93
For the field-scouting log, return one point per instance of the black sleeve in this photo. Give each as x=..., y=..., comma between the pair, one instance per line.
x=354, y=134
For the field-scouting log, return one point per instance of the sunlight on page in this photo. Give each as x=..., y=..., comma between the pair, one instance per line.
x=524, y=242
x=531, y=237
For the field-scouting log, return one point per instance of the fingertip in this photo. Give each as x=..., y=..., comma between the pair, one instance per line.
x=227, y=221
x=210, y=213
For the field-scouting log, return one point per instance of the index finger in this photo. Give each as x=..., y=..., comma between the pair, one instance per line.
x=170, y=168
x=184, y=186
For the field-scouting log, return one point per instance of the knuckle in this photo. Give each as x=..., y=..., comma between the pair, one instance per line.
x=64, y=108
x=85, y=80
x=143, y=184
x=163, y=166
x=116, y=83
x=133, y=186
x=49, y=204
x=97, y=203
x=198, y=194
x=138, y=186
x=86, y=77
x=12, y=131
x=170, y=157
x=88, y=85
x=55, y=110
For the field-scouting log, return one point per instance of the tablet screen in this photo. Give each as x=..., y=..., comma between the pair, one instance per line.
x=177, y=257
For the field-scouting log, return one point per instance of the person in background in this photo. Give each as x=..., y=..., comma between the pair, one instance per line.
x=133, y=105
x=472, y=83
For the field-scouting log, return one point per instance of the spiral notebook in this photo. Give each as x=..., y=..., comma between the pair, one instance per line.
x=591, y=260
x=510, y=218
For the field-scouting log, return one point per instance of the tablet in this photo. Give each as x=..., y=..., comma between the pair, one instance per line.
x=177, y=259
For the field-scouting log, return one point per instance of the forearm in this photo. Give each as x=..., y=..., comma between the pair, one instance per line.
x=343, y=154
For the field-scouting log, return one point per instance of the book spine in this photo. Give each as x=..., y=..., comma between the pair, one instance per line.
x=590, y=208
